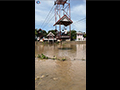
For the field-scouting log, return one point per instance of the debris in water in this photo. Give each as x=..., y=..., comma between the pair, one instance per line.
x=55, y=78
x=39, y=83
x=54, y=57
x=42, y=76
x=38, y=77
x=47, y=75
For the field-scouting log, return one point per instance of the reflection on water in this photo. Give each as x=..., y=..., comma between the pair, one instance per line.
x=70, y=74
x=77, y=51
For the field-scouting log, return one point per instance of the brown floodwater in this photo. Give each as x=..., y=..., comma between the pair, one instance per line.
x=61, y=75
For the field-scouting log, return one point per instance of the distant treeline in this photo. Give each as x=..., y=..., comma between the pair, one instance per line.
x=44, y=33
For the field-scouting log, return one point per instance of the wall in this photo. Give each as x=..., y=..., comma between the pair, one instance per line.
x=79, y=36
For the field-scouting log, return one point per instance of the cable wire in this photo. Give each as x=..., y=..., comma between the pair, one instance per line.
x=47, y=16
x=49, y=20
x=80, y=20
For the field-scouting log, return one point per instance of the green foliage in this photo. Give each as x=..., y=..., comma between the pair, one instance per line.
x=63, y=59
x=73, y=34
x=42, y=56
x=39, y=56
x=54, y=57
x=36, y=32
x=44, y=33
x=83, y=59
x=84, y=35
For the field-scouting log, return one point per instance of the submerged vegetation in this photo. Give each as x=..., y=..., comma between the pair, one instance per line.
x=63, y=59
x=83, y=59
x=42, y=56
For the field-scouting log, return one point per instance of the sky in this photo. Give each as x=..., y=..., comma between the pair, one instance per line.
x=78, y=12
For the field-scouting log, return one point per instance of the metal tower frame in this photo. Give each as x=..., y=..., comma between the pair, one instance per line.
x=62, y=7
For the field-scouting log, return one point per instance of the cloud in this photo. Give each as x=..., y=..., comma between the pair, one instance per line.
x=84, y=1
x=41, y=11
x=44, y=4
x=81, y=26
x=78, y=11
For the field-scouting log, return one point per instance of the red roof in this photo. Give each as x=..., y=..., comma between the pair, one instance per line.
x=60, y=2
x=64, y=22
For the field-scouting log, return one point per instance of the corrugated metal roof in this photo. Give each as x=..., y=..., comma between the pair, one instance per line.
x=64, y=21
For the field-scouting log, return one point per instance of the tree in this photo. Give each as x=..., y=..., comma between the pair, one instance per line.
x=44, y=33
x=84, y=35
x=36, y=32
x=73, y=34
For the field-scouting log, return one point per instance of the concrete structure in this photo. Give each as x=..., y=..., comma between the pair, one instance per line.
x=79, y=36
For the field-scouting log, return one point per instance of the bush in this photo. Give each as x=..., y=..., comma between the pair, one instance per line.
x=43, y=56
x=63, y=59
x=39, y=56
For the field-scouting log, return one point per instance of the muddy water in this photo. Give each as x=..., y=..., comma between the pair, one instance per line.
x=61, y=75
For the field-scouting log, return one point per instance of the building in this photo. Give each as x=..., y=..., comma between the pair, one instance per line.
x=50, y=37
x=79, y=36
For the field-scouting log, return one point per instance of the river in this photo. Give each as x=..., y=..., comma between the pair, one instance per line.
x=61, y=75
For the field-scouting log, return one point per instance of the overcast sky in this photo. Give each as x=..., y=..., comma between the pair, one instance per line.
x=78, y=12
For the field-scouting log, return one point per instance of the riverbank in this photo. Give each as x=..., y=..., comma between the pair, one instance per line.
x=63, y=42
x=74, y=42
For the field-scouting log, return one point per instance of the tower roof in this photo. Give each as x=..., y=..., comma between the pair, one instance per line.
x=62, y=2
x=64, y=21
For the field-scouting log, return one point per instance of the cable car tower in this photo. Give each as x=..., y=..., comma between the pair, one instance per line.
x=63, y=17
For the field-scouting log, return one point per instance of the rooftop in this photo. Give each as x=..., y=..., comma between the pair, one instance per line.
x=60, y=2
x=50, y=34
x=80, y=32
x=64, y=21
